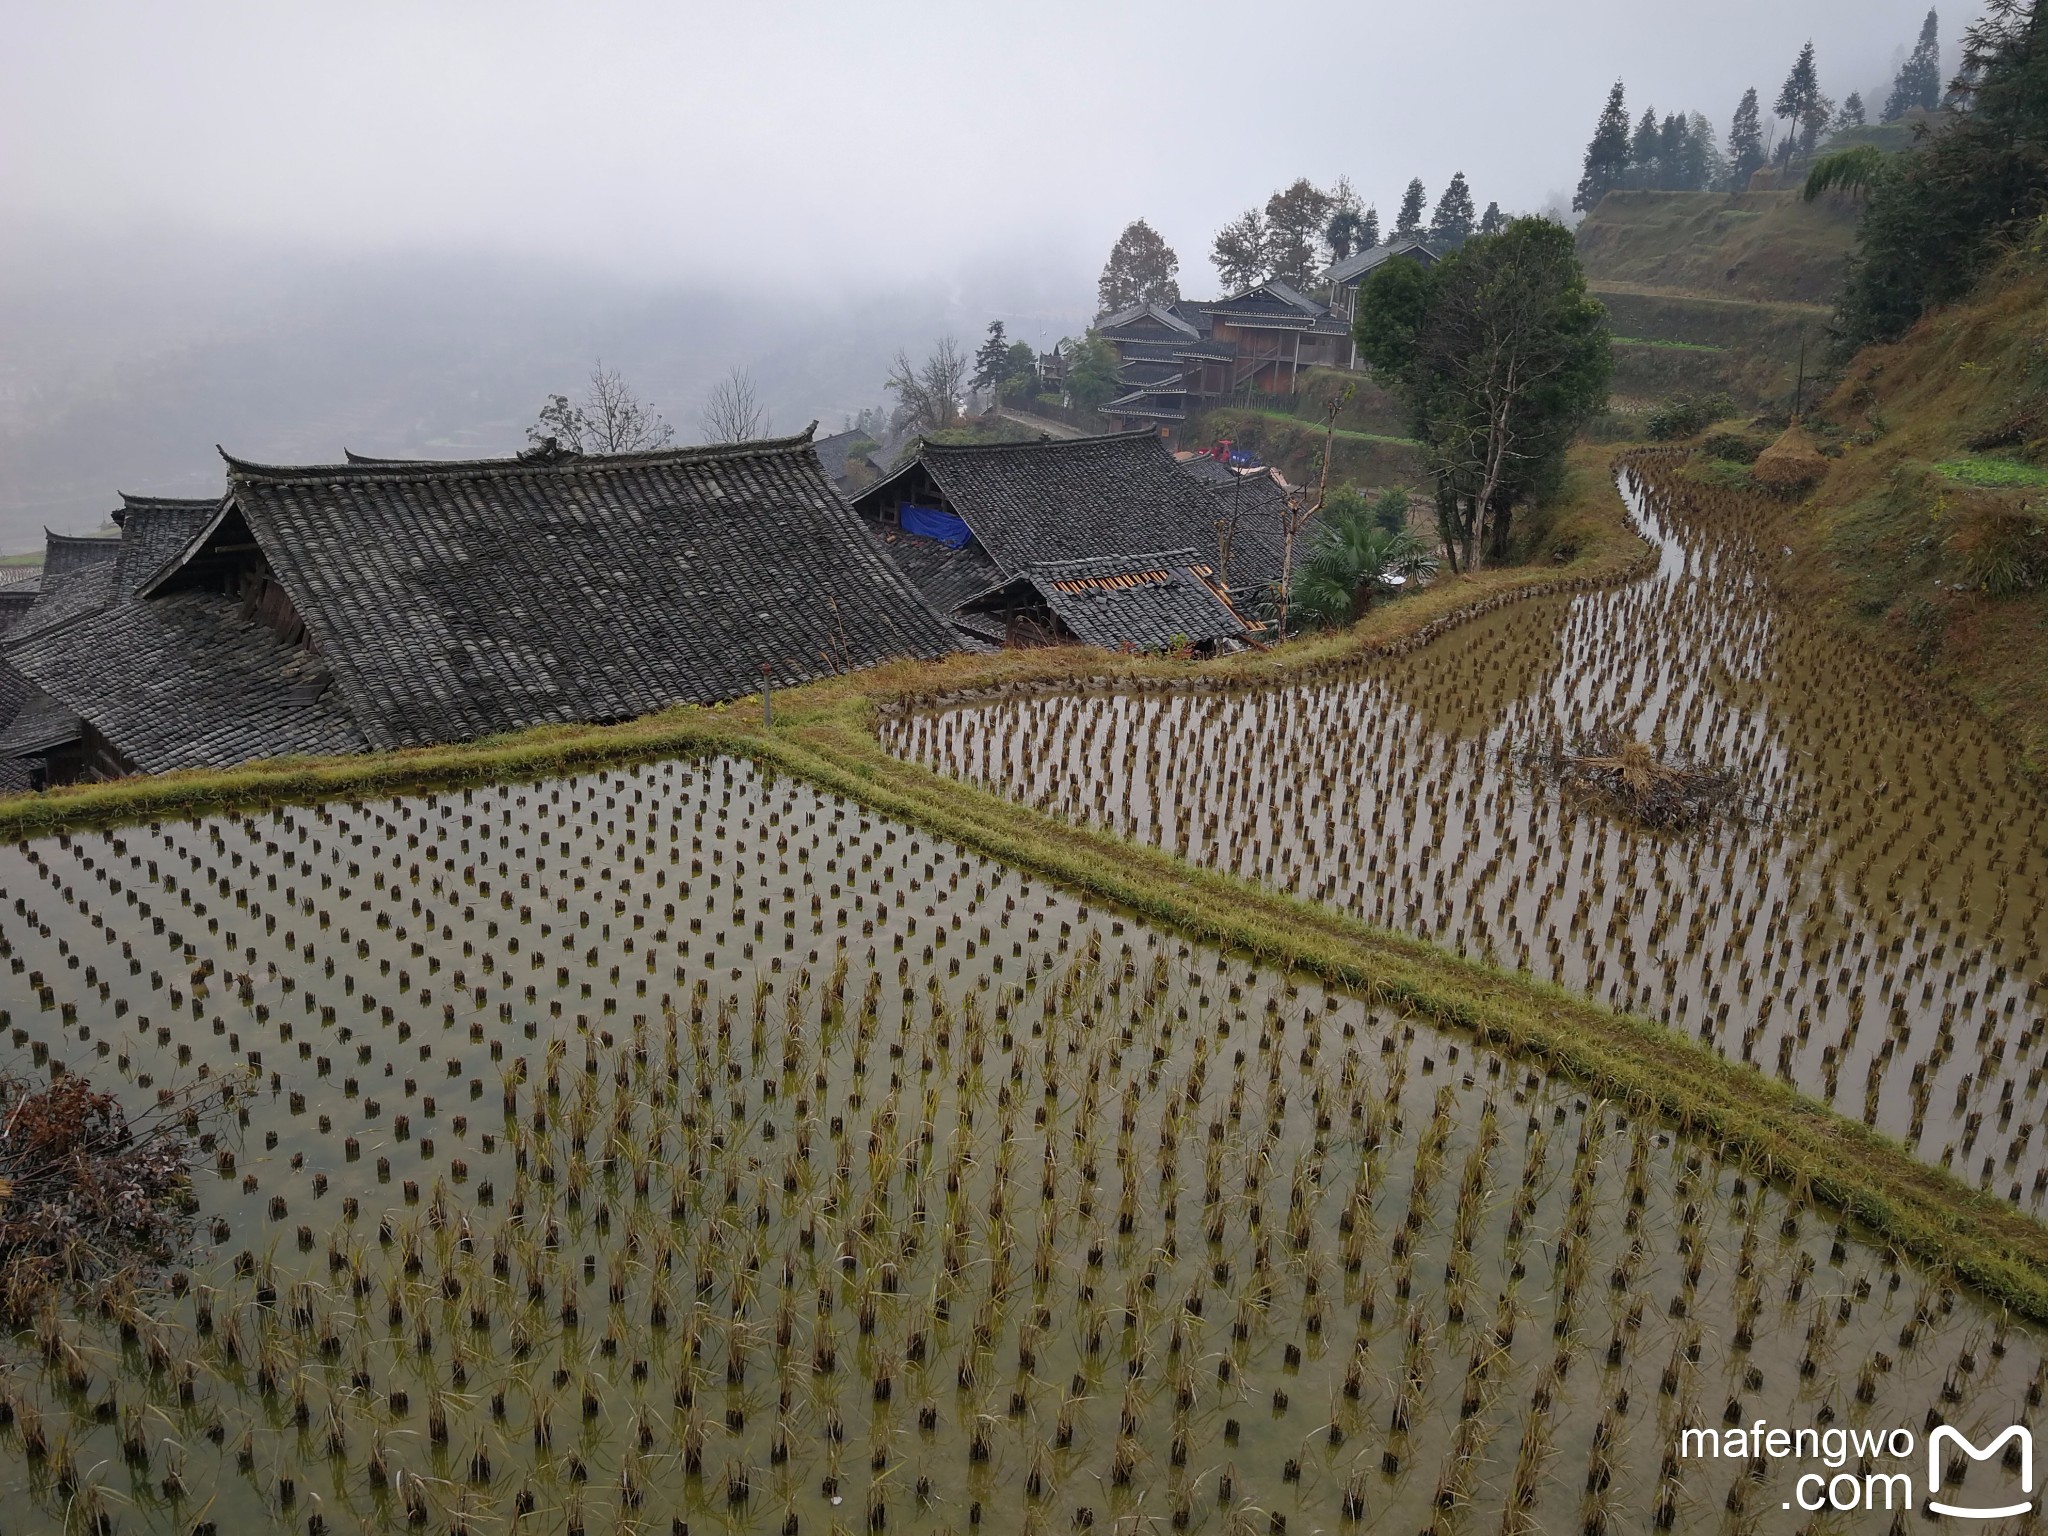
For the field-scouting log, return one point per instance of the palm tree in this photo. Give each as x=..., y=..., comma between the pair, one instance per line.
x=1353, y=561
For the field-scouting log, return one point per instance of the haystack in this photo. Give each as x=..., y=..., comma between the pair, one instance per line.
x=1791, y=465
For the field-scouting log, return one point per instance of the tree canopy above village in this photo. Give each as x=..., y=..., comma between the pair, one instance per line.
x=1141, y=269
x=1302, y=230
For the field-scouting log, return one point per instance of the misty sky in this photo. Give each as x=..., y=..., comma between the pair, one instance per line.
x=290, y=228
x=833, y=144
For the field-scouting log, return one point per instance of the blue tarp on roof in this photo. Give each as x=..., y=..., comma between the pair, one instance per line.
x=937, y=524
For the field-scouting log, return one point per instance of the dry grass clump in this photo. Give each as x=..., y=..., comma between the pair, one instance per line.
x=1630, y=779
x=83, y=1191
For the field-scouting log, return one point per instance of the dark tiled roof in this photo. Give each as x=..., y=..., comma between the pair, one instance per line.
x=78, y=577
x=15, y=602
x=453, y=600
x=39, y=724
x=1359, y=263
x=1080, y=498
x=832, y=452
x=185, y=680
x=946, y=577
x=1153, y=317
x=1145, y=600
x=1151, y=404
x=154, y=529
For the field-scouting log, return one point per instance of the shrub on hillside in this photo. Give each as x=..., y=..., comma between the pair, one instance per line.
x=1733, y=447
x=1686, y=415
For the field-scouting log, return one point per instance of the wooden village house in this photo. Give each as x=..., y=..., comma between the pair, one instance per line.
x=1180, y=359
x=1102, y=540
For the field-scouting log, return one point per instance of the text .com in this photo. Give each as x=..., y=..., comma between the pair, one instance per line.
x=1888, y=1466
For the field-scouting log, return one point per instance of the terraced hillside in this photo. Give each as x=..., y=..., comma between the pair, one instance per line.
x=1709, y=291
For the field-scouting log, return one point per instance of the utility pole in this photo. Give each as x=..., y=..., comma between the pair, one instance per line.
x=1799, y=387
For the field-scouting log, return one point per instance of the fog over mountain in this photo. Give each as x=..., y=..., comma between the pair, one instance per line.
x=123, y=374
x=398, y=227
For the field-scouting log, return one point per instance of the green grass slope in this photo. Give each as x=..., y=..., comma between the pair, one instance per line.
x=1930, y=531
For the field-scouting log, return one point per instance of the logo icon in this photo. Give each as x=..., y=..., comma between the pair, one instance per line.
x=1946, y=1432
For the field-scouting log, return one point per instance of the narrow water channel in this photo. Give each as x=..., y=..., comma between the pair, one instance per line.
x=1872, y=935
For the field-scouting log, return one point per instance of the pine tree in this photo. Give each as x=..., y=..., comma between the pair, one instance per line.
x=1745, y=142
x=1369, y=229
x=1801, y=103
x=992, y=359
x=1493, y=221
x=1451, y=226
x=1607, y=154
x=1240, y=252
x=1851, y=115
x=1413, y=201
x=1645, y=150
x=1141, y=269
x=1704, y=168
x=1919, y=79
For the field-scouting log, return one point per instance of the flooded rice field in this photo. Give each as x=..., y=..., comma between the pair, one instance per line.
x=1866, y=923
x=682, y=1148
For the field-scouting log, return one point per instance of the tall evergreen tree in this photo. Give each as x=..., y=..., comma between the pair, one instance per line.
x=1369, y=229
x=1493, y=221
x=1141, y=269
x=1851, y=115
x=1451, y=226
x=992, y=359
x=1919, y=79
x=1645, y=152
x=1240, y=253
x=1801, y=103
x=1745, y=142
x=1413, y=202
x=1704, y=168
x=1940, y=213
x=1607, y=154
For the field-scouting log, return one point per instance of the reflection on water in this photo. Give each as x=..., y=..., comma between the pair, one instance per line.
x=681, y=1149
x=1878, y=944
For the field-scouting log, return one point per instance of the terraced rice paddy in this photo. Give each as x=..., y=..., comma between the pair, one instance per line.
x=1871, y=931
x=684, y=1149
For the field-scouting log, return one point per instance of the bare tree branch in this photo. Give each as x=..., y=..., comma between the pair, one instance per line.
x=928, y=394
x=734, y=413
x=609, y=418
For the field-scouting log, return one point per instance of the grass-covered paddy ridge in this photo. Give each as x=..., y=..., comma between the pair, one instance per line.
x=684, y=1143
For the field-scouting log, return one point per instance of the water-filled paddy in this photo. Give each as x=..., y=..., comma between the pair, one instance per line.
x=679, y=1147
x=1872, y=932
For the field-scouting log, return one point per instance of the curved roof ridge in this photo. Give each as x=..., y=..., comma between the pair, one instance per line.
x=438, y=469
x=926, y=445
x=129, y=500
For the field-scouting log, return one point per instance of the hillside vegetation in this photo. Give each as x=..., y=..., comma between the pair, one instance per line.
x=1772, y=246
x=1710, y=291
x=1930, y=530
